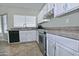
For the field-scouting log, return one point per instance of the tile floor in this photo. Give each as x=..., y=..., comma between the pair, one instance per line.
x=19, y=49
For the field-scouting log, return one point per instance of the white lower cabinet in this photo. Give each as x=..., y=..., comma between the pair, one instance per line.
x=23, y=36
x=63, y=51
x=61, y=46
x=51, y=48
x=50, y=45
x=27, y=36
x=68, y=42
x=76, y=53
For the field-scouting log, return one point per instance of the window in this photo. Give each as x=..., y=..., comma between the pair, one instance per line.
x=24, y=21
x=30, y=21
x=19, y=21
x=5, y=23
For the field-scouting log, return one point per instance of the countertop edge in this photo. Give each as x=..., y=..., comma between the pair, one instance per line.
x=62, y=35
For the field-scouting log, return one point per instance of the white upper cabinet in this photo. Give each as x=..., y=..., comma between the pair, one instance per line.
x=45, y=12
x=50, y=7
x=49, y=11
x=62, y=8
x=59, y=9
x=45, y=9
x=42, y=14
x=71, y=6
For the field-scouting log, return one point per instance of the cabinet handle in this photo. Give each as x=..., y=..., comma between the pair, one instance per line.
x=55, y=50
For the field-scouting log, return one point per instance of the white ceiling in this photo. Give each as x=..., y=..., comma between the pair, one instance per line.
x=29, y=7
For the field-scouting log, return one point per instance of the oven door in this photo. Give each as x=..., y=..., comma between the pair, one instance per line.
x=42, y=42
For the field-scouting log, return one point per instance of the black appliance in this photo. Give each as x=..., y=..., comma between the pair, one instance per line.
x=40, y=27
x=13, y=36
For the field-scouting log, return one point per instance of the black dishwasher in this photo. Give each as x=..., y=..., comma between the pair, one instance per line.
x=13, y=36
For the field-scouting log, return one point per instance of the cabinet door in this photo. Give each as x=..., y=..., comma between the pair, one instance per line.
x=50, y=6
x=40, y=17
x=59, y=9
x=27, y=36
x=72, y=6
x=51, y=48
x=50, y=45
x=63, y=51
x=45, y=10
x=68, y=42
x=31, y=35
x=42, y=14
x=23, y=36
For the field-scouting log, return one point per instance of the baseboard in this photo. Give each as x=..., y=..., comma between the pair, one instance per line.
x=3, y=40
x=22, y=42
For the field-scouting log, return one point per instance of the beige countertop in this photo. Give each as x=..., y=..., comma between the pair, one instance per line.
x=70, y=33
x=22, y=29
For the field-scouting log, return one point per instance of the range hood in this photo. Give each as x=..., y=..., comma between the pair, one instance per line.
x=44, y=21
x=48, y=16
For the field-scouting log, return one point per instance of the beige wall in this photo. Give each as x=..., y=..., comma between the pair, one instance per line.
x=10, y=20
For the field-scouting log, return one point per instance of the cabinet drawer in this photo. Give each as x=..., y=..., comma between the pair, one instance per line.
x=62, y=50
x=70, y=43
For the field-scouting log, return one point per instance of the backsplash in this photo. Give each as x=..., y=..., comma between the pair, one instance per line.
x=70, y=20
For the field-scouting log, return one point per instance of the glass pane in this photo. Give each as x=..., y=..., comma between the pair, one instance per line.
x=30, y=21
x=24, y=21
x=19, y=21
x=5, y=23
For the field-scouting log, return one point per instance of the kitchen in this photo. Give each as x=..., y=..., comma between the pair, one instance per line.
x=39, y=29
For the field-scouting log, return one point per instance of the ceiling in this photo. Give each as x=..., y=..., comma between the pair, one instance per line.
x=31, y=8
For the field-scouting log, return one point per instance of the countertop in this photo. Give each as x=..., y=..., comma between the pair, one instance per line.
x=22, y=29
x=69, y=32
